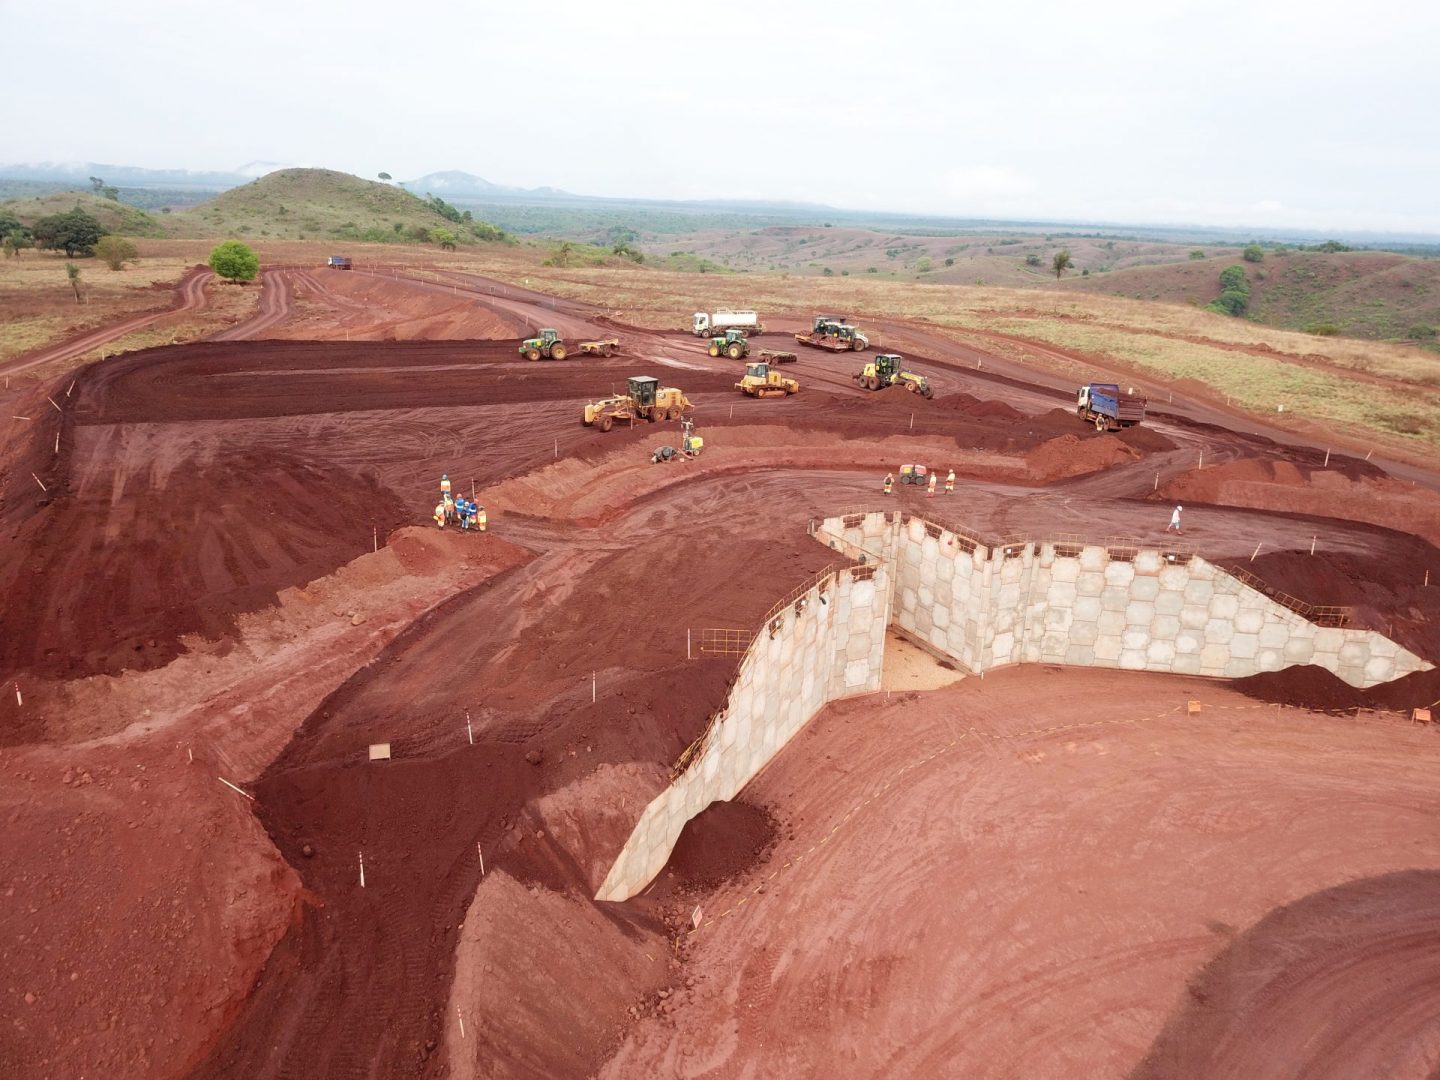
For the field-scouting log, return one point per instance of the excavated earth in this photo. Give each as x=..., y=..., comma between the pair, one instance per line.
x=223, y=588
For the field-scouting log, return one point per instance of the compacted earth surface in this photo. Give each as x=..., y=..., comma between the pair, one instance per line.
x=225, y=594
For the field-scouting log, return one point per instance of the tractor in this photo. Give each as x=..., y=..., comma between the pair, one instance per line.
x=645, y=399
x=548, y=345
x=733, y=344
x=760, y=381
x=886, y=370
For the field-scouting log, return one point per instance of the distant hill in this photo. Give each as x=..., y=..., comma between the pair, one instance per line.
x=453, y=183
x=113, y=216
x=1365, y=294
x=313, y=204
x=79, y=172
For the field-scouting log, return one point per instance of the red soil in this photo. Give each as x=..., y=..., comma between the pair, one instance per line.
x=219, y=500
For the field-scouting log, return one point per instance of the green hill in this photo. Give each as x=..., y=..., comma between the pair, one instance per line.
x=316, y=204
x=1363, y=294
x=114, y=217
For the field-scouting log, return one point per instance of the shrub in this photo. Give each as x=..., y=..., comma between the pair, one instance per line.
x=1197, y=254
x=116, y=251
x=74, y=232
x=1422, y=332
x=924, y=265
x=1032, y=260
x=949, y=262
x=1324, y=330
x=233, y=261
x=1253, y=253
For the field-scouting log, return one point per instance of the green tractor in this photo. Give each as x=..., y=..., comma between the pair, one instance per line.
x=733, y=344
x=548, y=345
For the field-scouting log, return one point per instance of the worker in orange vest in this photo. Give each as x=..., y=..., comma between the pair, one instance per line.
x=889, y=482
x=479, y=517
x=930, y=494
x=441, y=512
x=950, y=483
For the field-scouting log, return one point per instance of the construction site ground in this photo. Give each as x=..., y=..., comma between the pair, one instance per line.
x=220, y=569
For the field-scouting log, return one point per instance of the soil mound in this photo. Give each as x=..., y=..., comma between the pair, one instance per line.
x=1071, y=455
x=723, y=841
x=1146, y=439
x=1304, y=687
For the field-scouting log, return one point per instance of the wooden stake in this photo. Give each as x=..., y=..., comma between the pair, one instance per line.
x=1327, y=458
x=1157, y=481
x=190, y=752
x=687, y=644
x=1256, y=551
x=21, y=701
x=375, y=536
x=52, y=402
x=40, y=482
x=57, y=442
x=1202, y=460
x=1427, y=582
x=362, y=869
x=472, y=488
x=232, y=787
x=468, y=729
x=1312, y=544
x=462, y=1021
x=592, y=688
x=912, y=421
x=67, y=389
x=482, y=859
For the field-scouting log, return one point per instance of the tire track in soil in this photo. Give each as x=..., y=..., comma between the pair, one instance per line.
x=189, y=296
x=275, y=306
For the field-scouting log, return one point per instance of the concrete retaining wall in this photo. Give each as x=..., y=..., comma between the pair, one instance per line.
x=828, y=644
x=983, y=606
x=1090, y=606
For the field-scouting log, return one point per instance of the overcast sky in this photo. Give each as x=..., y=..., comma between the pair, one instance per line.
x=1283, y=113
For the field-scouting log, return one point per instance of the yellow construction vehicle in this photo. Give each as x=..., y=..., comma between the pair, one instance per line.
x=760, y=381
x=690, y=445
x=885, y=370
x=645, y=399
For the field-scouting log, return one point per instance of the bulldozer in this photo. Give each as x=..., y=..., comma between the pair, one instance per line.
x=547, y=346
x=733, y=344
x=833, y=333
x=644, y=399
x=887, y=370
x=760, y=381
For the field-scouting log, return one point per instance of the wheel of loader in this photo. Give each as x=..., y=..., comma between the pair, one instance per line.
x=656, y=413
x=857, y=344
x=674, y=413
x=557, y=352
x=532, y=354
x=605, y=422
x=714, y=350
x=928, y=393
x=734, y=352
x=870, y=382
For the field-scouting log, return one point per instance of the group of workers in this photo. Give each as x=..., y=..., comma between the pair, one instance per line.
x=458, y=510
x=930, y=490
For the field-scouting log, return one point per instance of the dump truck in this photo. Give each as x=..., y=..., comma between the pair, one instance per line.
x=1103, y=405
x=832, y=332
x=888, y=369
x=733, y=345
x=644, y=399
x=607, y=348
x=339, y=262
x=760, y=381
x=706, y=325
x=548, y=346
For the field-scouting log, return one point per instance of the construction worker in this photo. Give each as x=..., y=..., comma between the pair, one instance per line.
x=889, y=482
x=462, y=512
x=930, y=494
x=480, y=518
x=445, y=487
x=950, y=482
x=441, y=513
x=1174, y=520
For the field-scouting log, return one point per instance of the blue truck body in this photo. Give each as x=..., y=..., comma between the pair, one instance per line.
x=1103, y=405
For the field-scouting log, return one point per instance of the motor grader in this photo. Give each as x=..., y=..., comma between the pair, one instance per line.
x=644, y=399
x=760, y=381
x=733, y=344
x=887, y=370
x=547, y=346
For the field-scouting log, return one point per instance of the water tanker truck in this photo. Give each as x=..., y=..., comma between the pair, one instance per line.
x=705, y=325
x=1103, y=405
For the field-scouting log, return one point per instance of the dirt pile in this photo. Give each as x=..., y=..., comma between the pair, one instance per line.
x=1349, y=489
x=1077, y=455
x=725, y=839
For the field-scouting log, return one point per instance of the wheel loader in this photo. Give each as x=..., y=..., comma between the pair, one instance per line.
x=733, y=344
x=547, y=346
x=760, y=381
x=887, y=370
x=644, y=399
